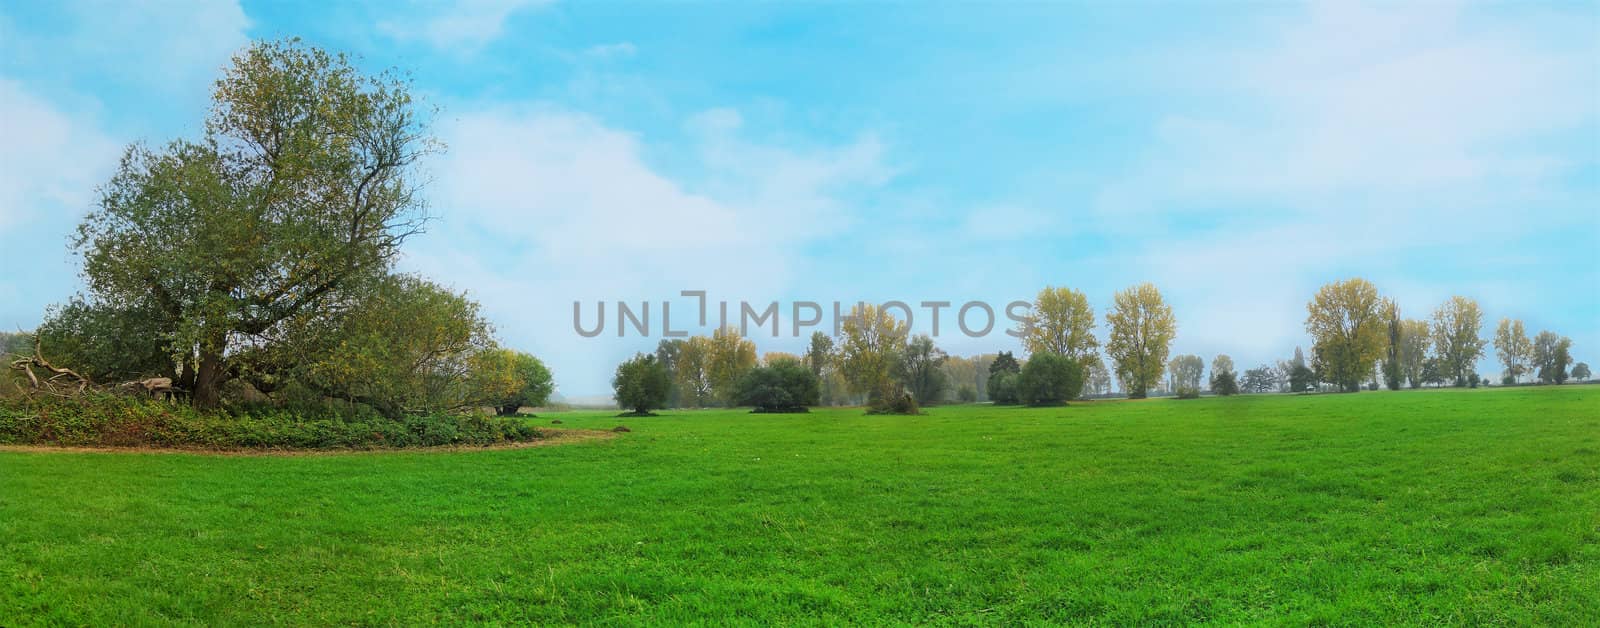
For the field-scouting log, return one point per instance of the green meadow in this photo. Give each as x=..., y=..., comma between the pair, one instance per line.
x=1449, y=506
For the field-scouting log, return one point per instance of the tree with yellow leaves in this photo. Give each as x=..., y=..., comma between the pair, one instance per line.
x=1349, y=330
x=1142, y=329
x=1060, y=322
x=870, y=345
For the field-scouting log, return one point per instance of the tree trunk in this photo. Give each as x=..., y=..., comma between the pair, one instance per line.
x=209, y=376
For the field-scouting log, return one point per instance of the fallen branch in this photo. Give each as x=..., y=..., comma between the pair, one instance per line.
x=52, y=384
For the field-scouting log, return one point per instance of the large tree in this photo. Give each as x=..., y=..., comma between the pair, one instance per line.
x=1346, y=322
x=691, y=371
x=1512, y=345
x=1455, y=338
x=641, y=384
x=819, y=353
x=1414, y=341
x=1141, y=331
x=1060, y=322
x=922, y=368
x=1551, y=355
x=1224, y=380
x=300, y=189
x=870, y=345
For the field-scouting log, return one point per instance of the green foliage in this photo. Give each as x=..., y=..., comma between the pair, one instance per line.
x=1455, y=338
x=15, y=344
x=642, y=384
x=402, y=345
x=1347, y=321
x=300, y=190
x=1551, y=355
x=966, y=393
x=1224, y=383
x=1301, y=378
x=1049, y=379
x=921, y=368
x=782, y=386
x=871, y=343
x=530, y=382
x=101, y=420
x=1004, y=362
x=819, y=353
x=1188, y=392
x=1141, y=331
x=1003, y=388
x=1580, y=371
x=105, y=343
x=730, y=357
x=1061, y=321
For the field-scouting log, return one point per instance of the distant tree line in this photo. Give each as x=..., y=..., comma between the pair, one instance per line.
x=1359, y=341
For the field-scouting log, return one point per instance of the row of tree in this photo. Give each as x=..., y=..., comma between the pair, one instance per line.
x=1358, y=337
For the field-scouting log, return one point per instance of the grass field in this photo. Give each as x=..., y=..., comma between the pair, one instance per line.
x=1470, y=506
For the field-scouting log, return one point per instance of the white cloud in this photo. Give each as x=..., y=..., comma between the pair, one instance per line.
x=542, y=207
x=464, y=25
x=50, y=162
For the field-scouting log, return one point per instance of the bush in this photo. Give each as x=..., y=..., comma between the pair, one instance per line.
x=1188, y=392
x=783, y=386
x=1049, y=379
x=104, y=420
x=899, y=403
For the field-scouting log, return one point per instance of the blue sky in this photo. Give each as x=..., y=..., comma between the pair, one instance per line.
x=1238, y=155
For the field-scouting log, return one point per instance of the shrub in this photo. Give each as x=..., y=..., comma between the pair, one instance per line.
x=1049, y=379
x=104, y=420
x=783, y=386
x=1188, y=392
x=899, y=403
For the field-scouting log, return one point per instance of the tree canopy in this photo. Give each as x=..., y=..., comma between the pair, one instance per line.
x=642, y=384
x=1347, y=324
x=870, y=347
x=1455, y=338
x=1060, y=322
x=1142, y=329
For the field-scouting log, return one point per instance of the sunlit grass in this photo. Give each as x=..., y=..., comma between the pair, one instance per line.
x=1430, y=506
